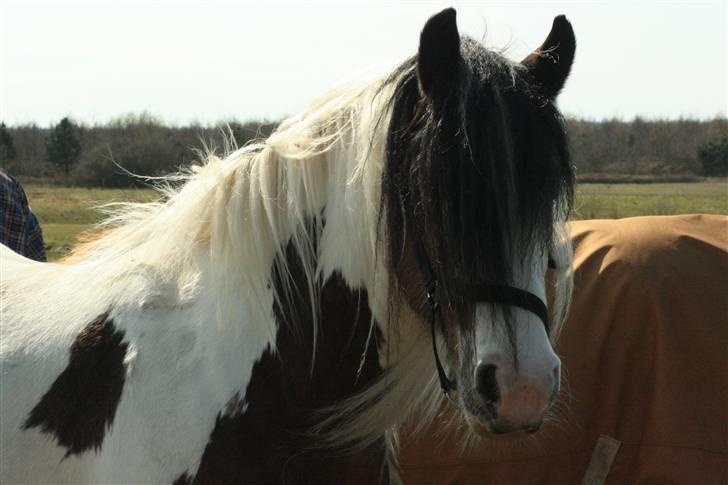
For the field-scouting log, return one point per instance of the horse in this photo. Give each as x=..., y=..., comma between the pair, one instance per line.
x=286, y=305
x=649, y=304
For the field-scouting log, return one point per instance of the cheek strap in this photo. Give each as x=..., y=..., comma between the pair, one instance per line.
x=446, y=383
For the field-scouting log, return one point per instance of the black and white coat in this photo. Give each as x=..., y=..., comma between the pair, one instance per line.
x=266, y=316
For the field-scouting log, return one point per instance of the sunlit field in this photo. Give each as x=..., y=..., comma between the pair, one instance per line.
x=613, y=201
x=65, y=213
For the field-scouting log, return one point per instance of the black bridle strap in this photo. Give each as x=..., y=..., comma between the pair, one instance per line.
x=508, y=295
x=446, y=383
x=498, y=294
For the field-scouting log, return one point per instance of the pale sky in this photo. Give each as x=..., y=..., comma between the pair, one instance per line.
x=209, y=61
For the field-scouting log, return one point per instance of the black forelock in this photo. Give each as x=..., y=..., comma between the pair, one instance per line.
x=479, y=175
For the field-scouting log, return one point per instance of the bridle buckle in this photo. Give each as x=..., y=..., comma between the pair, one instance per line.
x=431, y=294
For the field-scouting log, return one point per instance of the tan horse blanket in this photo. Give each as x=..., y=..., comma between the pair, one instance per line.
x=645, y=366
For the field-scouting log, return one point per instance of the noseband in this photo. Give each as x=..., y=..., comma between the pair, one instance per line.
x=490, y=293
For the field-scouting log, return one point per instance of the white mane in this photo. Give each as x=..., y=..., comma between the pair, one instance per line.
x=214, y=240
x=237, y=214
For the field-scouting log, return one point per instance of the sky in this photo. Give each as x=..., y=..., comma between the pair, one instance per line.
x=216, y=60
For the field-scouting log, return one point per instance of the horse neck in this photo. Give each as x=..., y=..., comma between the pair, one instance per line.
x=313, y=186
x=330, y=200
x=320, y=200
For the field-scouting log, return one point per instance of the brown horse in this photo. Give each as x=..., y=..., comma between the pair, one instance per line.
x=644, y=353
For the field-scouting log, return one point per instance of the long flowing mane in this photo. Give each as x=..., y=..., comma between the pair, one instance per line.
x=314, y=243
x=469, y=211
x=241, y=210
x=235, y=216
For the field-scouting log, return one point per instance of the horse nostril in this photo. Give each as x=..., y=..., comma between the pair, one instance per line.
x=486, y=383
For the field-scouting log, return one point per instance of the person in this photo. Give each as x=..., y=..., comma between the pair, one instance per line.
x=19, y=228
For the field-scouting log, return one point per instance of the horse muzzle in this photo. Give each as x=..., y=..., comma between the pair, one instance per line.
x=502, y=402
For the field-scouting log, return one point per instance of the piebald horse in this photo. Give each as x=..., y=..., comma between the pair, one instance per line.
x=284, y=308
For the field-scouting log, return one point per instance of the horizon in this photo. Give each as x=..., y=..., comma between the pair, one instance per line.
x=197, y=63
x=136, y=117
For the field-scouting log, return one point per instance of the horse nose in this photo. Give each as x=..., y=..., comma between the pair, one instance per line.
x=516, y=400
x=486, y=383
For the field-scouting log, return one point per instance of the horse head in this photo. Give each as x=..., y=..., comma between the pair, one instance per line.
x=477, y=182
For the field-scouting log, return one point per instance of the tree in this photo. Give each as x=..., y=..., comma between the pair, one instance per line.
x=63, y=146
x=714, y=157
x=7, y=147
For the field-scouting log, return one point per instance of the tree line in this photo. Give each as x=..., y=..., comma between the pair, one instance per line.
x=104, y=155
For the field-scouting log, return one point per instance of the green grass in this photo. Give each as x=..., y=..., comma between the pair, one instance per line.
x=67, y=205
x=60, y=238
x=613, y=201
x=64, y=212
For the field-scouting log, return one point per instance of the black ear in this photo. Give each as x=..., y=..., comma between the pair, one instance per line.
x=550, y=64
x=438, y=59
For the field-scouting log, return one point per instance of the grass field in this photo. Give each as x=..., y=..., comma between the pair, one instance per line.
x=64, y=212
x=614, y=201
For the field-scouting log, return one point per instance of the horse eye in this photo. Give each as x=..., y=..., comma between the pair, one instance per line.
x=552, y=263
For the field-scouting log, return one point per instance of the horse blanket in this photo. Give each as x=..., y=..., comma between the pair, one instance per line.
x=645, y=369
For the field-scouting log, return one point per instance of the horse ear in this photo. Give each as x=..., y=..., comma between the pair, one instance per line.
x=438, y=59
x=550, y=64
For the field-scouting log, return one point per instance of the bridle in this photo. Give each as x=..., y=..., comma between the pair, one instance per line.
x=489, y=293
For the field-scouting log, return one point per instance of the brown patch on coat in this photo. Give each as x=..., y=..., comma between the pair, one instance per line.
x=266, y=437
x=81, y=403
